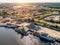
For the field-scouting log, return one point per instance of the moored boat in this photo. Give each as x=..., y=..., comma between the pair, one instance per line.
x=46, y=38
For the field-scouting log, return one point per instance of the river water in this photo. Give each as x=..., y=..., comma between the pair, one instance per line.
x=10, y=37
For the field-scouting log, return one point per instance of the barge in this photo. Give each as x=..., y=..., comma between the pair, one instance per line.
x=46, y=38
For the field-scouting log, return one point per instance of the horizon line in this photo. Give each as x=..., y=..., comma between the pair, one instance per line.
x=29, y=2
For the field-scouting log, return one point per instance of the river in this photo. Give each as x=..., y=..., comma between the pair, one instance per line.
x=10, y=37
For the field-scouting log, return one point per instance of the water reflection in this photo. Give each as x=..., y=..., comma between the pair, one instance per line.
x=10, y=37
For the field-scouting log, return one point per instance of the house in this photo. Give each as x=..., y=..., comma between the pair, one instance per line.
x=34, y=27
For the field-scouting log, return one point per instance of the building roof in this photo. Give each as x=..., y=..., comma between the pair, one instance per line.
x=34, y=27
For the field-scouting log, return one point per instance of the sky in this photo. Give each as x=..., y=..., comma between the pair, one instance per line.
x=25, y=1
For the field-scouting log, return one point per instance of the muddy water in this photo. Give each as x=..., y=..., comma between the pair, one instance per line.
x=10, y=37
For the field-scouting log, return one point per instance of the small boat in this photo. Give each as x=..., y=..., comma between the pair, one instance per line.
x=46, y=38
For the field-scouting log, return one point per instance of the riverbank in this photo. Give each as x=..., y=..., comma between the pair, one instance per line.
x=50, y=32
